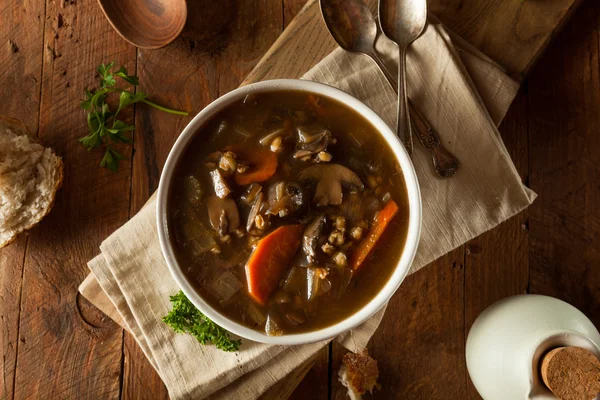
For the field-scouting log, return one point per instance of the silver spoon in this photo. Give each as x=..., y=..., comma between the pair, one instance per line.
x=403, y=21
x=354, y=28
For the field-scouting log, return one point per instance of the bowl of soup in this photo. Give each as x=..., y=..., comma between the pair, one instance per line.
x=288, y=212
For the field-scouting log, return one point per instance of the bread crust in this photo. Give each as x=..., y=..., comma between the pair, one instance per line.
x=22, y=129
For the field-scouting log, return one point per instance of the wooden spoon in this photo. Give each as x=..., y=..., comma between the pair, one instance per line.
x=149, y=24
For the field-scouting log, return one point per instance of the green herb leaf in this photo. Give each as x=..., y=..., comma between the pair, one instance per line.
x=91, y=141
x=126, y=99
x=103, y=125
x=186, y=318
x=117, y=132
x=111, y=159
x=87, y=103
x=107, y=79
x=122, y=73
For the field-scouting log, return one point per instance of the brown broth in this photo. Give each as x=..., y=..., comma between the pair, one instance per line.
x=358, y=144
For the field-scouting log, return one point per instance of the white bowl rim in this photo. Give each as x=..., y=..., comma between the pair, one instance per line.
x=414, y=199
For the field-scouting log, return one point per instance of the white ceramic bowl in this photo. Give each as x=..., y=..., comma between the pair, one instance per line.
x=414, y=220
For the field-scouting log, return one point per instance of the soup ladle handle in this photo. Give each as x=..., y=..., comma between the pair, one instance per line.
x=444, y=162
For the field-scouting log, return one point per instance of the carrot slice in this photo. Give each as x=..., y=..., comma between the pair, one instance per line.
x=263, y=163
x=270, y=259
x=382, y=220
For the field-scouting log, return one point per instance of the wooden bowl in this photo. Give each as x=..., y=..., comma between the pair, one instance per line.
x=148, y=24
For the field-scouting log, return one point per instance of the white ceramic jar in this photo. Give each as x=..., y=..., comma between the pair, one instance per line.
x=507, y=341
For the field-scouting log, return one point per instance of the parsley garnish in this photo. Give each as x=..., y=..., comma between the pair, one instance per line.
x=105, y=128
x=186, y=318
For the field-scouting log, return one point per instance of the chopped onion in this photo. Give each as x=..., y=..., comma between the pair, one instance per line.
x=192, y=190
x=273, y=326
x=325, y=285
x=256, y=314
x=345, y=278
x=193, y=234
x=268, y=138
x=251, y=192
x=315, y=282
x=242, y=131
x=225, y=286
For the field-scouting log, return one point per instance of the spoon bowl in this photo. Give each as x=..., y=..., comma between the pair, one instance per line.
x=351, y=24
x=354, y=28
x=148, y=24
x=403, y=21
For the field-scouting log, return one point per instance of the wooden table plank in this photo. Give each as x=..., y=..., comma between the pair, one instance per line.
x=420, y=342
x=59, y=248
x=513, y=33
x=214, y=54
x=496, y=263
x=21, y=38
x=564, y=154
x=66, y=349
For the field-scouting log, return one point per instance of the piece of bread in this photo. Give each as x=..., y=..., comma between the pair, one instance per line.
x=30, y=176
x=358, y=373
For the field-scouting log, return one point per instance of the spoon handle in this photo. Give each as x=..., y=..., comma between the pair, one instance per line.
x=404, y=129
x=444, y=162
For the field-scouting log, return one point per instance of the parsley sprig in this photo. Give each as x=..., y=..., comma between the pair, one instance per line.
x=186, y=318
x=104, y=126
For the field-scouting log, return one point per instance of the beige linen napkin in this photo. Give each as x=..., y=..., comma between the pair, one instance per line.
x=462, y=94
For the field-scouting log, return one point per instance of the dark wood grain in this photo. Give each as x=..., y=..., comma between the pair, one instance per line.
x=291, y=9
x=21, y=39
x=312, y=386
x=496, y=263
x=67, y=349
x=315, y=385
x=56, y=345
x=420, y=342
x=188, y=75
x=11, y=274
x=564, y=154
x=514, y=33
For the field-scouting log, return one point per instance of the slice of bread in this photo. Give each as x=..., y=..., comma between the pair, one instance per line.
x=358, y=373
x=30, y=176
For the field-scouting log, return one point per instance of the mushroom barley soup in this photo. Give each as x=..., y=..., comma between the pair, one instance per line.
x=288, y=212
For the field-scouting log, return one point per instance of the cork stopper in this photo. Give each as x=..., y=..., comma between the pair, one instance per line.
x=571, y=373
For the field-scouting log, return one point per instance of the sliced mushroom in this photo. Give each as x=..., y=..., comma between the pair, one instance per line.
x=310, y=133
x=254, y=211
x=312, y=139
x=219, y=183
x=296, y=196
x=285, y=198
x=330, y=178
x=223, y=214
x=312, y=234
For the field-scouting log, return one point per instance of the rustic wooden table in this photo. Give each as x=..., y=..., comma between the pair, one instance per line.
x=57, y=345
